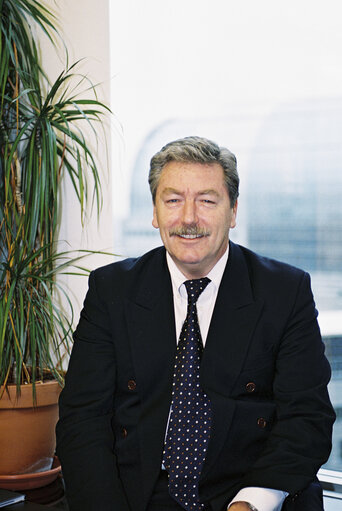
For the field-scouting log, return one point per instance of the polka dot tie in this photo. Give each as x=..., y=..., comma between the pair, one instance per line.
x=189, y=425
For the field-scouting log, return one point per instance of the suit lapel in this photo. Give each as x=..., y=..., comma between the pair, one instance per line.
x=151, y=325
x=152, y=337
x=230, y=333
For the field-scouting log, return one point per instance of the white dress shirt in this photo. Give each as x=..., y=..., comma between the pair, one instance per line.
x=264, y=499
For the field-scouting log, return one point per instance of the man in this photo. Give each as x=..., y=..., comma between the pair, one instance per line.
x=151, y=421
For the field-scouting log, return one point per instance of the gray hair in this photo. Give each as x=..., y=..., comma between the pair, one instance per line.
x=196, y=149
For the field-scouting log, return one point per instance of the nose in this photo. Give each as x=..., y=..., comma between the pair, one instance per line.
x=189, y=215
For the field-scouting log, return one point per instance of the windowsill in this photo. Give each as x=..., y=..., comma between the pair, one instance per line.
x=333, y=477
x=331, y=481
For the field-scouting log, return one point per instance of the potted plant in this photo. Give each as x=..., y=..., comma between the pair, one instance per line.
x=41, y=140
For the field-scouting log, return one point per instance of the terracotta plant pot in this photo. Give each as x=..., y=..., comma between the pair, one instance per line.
x=27, y=431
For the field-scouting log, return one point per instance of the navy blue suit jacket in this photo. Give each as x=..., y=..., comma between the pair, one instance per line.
x=263, y=367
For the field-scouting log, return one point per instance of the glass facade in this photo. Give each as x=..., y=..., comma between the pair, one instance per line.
x=290, y=164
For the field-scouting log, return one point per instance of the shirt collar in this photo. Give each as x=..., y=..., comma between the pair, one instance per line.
x=215, y=274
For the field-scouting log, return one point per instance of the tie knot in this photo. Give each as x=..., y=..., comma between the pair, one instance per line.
x=195, y=287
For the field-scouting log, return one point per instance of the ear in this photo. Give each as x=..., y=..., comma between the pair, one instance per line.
x=234, y=213
x=155, y=219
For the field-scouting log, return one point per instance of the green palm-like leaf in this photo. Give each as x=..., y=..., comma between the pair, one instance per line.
x=41, y=140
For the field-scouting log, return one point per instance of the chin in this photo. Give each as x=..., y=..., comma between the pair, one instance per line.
x=189, y=260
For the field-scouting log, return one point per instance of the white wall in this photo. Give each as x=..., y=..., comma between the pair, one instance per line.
x=84, y=26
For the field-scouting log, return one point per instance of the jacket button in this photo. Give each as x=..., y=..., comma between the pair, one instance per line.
x=250, y=387
x=124, y=432
x=131, y=385
x=262, y=422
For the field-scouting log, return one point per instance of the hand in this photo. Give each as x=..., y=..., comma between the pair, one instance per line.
x=241, y=506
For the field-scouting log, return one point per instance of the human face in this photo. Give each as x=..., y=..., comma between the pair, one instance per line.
x=193, y=214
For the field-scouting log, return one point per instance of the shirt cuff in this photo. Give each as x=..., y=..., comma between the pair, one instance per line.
x=264, y=499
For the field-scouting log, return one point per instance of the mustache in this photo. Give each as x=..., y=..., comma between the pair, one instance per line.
x=189, y=230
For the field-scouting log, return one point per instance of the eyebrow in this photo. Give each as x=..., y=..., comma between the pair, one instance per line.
x=209, y=191
x=171, y=190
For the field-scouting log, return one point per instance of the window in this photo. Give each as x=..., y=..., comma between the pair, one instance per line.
x=264, y=79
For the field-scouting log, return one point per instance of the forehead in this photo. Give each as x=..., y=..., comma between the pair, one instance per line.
x=192, y=175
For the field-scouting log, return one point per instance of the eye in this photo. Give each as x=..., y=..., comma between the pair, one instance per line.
x=208, y=201
x=171, y=201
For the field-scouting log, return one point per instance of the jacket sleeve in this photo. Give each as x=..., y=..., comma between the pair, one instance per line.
x=84, y=433
x=300, y=441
